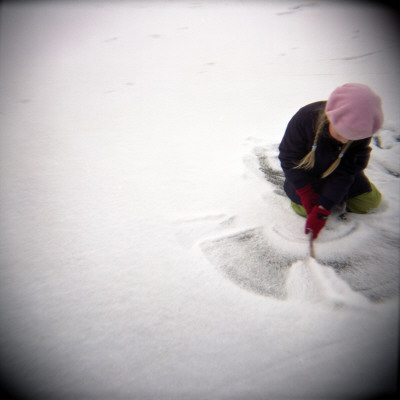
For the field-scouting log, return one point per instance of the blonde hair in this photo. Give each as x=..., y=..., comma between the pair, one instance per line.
x=308, y=161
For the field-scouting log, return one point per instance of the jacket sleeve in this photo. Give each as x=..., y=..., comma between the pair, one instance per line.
x=296, y=143
x=339, y=182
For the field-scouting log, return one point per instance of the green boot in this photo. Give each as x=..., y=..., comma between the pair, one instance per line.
x=299, y=209
x=365, y=202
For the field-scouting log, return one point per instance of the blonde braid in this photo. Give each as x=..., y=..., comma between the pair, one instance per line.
x=337, y=161
x=308, y=161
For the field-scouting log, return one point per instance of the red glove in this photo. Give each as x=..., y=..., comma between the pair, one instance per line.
x=308, y=197
x=316, y=220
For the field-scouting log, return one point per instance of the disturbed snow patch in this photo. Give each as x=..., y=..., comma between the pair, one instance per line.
x=361, y=251
x=312, y=282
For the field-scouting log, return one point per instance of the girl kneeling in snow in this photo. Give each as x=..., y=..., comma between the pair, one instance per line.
x=324, y=152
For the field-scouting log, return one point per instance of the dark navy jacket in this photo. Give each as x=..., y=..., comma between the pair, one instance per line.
x=347, y=181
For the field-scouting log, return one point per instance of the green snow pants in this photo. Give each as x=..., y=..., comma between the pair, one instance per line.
x=361, y=204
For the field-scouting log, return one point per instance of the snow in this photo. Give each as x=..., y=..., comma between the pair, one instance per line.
x=312, y=282
x=139, y=249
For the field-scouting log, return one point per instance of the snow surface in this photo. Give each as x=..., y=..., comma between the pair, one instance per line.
x=139, y=258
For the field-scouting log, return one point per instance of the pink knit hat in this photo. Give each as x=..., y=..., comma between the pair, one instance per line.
x=355, y=111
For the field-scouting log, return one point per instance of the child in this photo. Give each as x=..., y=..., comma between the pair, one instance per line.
x=324, y=152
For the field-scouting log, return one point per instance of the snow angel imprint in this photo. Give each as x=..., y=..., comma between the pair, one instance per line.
x=324, y=152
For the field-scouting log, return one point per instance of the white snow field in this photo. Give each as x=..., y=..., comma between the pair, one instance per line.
x=147, y=251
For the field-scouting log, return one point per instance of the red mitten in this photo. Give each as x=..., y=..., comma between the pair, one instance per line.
x=316, y=220
x=308, y=197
